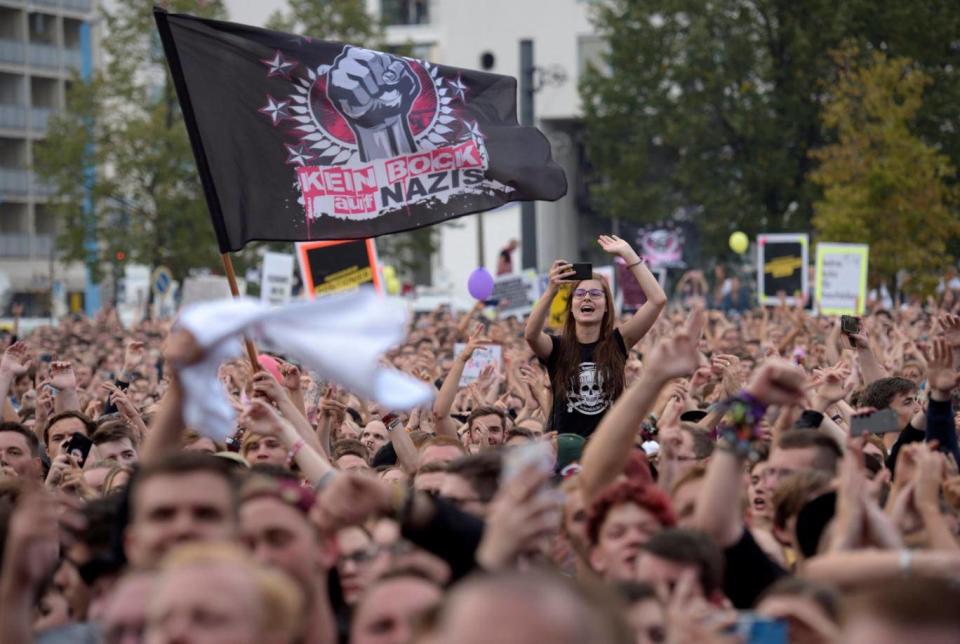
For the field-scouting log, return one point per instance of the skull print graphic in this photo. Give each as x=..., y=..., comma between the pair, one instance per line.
x=586, y=392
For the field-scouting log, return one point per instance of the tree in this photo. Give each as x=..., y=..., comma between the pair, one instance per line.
x=348, y=21
x=881, y=184
x=123, y=132
x=708, y=110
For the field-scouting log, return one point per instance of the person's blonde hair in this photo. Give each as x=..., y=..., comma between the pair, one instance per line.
x=280, y=600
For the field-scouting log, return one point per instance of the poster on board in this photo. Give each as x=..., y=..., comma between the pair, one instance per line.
x=782, y=267
x=841, y=278
x=329, y=267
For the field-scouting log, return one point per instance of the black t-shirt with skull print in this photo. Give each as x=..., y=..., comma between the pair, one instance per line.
x=586, y=401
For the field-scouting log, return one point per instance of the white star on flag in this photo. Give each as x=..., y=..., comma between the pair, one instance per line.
x=297, y=154
x=276, y=110
x=279, y=66
x=459, y=89
x=474, y=129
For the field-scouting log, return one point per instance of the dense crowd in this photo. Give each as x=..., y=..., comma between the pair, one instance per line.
x=689, y=472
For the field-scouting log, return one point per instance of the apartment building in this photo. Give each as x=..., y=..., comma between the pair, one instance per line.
x=43, y=43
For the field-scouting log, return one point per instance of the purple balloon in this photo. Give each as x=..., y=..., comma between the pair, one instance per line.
x=480, y=284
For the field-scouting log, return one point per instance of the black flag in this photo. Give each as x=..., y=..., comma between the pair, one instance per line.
x=299, y=139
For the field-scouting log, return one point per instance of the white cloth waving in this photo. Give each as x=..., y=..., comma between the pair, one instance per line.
x=341, y=338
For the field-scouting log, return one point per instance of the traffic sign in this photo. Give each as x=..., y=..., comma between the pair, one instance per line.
x=162, y=280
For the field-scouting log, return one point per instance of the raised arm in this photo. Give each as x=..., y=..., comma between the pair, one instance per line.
x=718, y=512
x=540, y=342
x=448, y=391
x=637, y=326
x=64, y=380
x=608, y=450
x=407, y=454
x=262, y=419
x=15, y=362
x=166, y=430
x=267, y=387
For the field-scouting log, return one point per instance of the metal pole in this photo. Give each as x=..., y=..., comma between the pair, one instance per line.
x=528, y=209
x=480, y=245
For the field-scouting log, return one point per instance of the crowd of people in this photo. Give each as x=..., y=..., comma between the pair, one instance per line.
x=675, y=474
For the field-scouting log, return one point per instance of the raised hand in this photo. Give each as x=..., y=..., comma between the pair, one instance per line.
x=951, y=329
x=266, y=386
x=291, y=376
x=727, y=368
x=32, y=544
x=261, y=418
x=519, y=516
x=675, y=357
x=778, y=382
x=561, y=272
x=617, y=246
x=16, y=360
x=476, y=340
x=832, y=384
x=941, y=375
x=62, y=376
x=132, y=355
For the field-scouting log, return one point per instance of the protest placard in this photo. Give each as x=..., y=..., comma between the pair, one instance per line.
x=781, y=267
x=482, y=356
x=841, y=281
x=276, y=281
x=338, y=266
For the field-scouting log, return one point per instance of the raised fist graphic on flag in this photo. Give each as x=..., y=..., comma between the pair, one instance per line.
x=374, y=92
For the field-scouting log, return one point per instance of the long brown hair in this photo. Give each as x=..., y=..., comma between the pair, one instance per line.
x=607, y=356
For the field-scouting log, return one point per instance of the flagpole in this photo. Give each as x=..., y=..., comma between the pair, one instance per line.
x=235, y=291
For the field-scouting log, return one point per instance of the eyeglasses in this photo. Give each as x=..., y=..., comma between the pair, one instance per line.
x=582, y=293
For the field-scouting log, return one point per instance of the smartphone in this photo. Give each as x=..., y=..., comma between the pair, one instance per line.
x=876, y=422
x=583, y=271
x=78, y=445
x=754, y=629
x=849, y=325
x=392, y=421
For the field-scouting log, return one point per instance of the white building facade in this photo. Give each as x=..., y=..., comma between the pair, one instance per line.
x=42, y=43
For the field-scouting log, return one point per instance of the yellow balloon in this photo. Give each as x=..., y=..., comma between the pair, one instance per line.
x=389, y=272
x=739, y=242
x=393, y=286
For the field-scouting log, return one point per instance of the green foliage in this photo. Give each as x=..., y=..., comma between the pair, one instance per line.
x=881, y=183
x=342, y=20
x=710, y=109
x=126, y=123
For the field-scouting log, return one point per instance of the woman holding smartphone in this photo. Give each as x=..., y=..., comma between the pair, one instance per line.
x=586, y=362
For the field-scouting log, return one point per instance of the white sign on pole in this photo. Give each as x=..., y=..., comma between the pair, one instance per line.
x=841, y=287
x=276, y=281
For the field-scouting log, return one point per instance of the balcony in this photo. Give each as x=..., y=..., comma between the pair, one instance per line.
x=13, y=117
x=44, y=55
x=14, y=181
x=77, y=5
x=42, y=189
x=45, y=3
x=72, y=58
x=40, y=118
x=11, y=51
x=24, y=245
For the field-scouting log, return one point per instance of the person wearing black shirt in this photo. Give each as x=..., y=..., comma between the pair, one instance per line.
x=586, y=362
